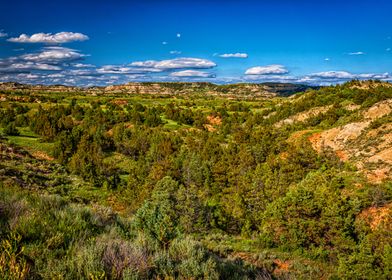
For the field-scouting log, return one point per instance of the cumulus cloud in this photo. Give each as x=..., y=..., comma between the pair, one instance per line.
x=60, y=65
x=274, y=69
x=383, y=76
x=82, y=65
x=356, y=53
x=81, y=72
x=49, y=38
x=234, y=55
x=110, y=74
x=21, y=77
x=27, y=66
x=119, y=69
x=54, y=55
x=192, y=74
x=113, y=69
x=56, y=75
x=319, y=78
x=3, y=34
x=186, y=62
x=176, y=63
x=46, y=59
x=332, y=75
x=270, y=78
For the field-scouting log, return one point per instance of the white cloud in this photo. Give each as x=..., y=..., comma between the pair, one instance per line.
x=320, y=78
x=274, y=69
x=176, y=63
x=342, y=76
x=55, y=75
x=27, y=66
x=175, y=52
x=270, y=78
x=21, y=77
x=47, y=59
x=327, y=59
x=186, y=62
x=28, y=76
x=113, y=69
x=192, y=74
x=373, y=76
x=235, y=55
x=3, y=34
x=81, y=72
x=116, y=69
x=58, y=38
x=178, y=35
x=146, y=63
x=332, y=75
x=164, y=43
x=82, y=65
x=35, y=66
x=53, y=55
x=356, y=53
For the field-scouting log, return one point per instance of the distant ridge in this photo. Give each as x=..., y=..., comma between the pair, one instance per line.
x=262, y=89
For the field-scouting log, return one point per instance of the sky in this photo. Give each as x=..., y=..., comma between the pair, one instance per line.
x=100, y=42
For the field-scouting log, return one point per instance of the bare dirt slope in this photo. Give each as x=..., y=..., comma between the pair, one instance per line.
x=368, y=146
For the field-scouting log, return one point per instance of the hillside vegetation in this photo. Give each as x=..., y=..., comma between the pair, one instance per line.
x=111, y=185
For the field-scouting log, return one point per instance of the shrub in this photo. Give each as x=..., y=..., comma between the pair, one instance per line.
x=13, y=264
x=11, y=129
x=110, y=257
x=312, y=214
x=371, y=258
x=157, y=218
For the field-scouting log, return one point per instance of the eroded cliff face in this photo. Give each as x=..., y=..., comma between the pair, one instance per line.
x=363, y=143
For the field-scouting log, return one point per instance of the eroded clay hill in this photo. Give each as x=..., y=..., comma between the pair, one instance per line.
x=367, y=143
x=363, y=136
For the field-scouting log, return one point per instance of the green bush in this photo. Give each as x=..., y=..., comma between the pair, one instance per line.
x=371, y=258
x=11, y=130
x=157, y=218
x=314, y=214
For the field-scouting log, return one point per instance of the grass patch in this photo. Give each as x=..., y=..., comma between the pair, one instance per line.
x=30, y=141
x=170, y=124
x=120, y=161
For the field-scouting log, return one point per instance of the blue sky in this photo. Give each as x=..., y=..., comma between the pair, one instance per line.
x=110, y=42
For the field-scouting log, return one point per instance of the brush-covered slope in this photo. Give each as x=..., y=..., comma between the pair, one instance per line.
x=196, y=186
x=362, y=130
